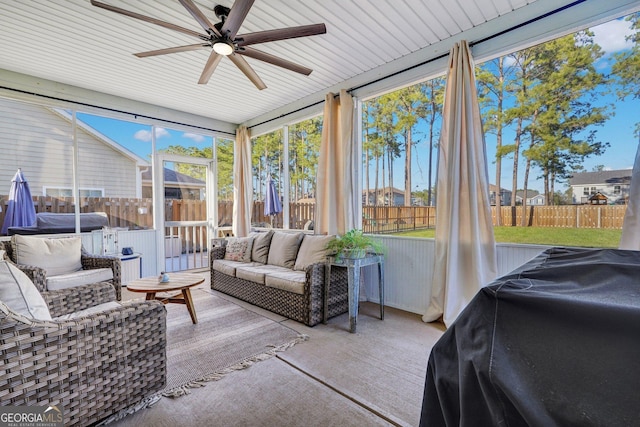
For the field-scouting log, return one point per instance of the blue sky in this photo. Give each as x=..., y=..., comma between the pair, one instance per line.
x=137, y=137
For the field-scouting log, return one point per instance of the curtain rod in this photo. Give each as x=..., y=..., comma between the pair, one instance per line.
x=113, y=110
x=444, y=55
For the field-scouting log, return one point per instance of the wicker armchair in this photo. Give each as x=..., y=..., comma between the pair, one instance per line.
x=92, y=366
x=89, y=261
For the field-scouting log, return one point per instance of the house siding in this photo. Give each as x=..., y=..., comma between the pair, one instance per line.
x=604, y=182
x=40, y=141
x=606, y=190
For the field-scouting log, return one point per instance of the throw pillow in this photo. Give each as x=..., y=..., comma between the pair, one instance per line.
x=239, y=249
x=284, y=249
x=312, y=250
x=261, y=243
x=20, y=294
x=56, y=256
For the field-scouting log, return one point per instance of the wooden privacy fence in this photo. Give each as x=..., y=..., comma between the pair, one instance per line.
x=391, y=219
x=138, y=214
x=122, y=212
x=566, y=216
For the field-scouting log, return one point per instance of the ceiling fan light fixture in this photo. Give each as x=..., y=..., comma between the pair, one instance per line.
x=222, y=48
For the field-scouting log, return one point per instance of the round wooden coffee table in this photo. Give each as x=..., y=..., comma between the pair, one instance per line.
x=178, y=282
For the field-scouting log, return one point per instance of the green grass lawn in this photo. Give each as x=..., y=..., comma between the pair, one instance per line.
x=584, y=237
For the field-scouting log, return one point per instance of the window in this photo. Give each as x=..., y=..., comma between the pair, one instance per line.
x=304, y=149
x=68, y=192
x=616, y=189
x=547, y=111
x=400, y=137
x=267, y=162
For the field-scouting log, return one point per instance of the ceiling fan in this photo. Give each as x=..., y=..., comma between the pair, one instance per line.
x=223, y=40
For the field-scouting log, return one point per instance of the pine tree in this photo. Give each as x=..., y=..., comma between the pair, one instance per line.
x=626, y=68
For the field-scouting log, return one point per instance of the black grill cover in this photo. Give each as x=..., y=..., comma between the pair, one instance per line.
x=554, y=343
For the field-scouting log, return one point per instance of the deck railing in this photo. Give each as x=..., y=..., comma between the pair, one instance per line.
x=185, y=245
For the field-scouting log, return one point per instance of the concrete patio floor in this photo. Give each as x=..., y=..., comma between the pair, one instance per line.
x=373, y=377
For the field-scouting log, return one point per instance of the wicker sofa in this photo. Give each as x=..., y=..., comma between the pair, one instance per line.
x=91, y=366
x=294, y=289
x=39, y=277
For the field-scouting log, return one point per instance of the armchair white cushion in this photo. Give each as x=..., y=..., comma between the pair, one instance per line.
x=19, y=293
x=61, y=258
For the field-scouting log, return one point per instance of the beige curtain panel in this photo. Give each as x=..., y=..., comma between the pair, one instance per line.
x=242, y=187
x=335, y=187
x=465, y=254
x=630, y=238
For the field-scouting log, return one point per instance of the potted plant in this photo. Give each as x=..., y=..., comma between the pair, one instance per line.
x=354, y=244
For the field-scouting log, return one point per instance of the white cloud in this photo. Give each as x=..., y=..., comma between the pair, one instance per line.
x=194, y=136
x=611, y=36
x=509, y=61
x=145, y=135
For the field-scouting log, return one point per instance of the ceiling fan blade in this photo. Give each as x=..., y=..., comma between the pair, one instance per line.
x=271, y=59
x=239, y=11
x=199, y=16
x=171, y=50
x=209, y=68
x=247, y=70
x=148, y=19
x=280, y=34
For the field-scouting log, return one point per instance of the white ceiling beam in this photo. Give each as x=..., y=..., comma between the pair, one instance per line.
x=55, y=94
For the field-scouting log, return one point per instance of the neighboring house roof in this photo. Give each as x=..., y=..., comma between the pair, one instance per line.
x=385, y=190
x=613, y=177
x=530, y=193
x=493, y=188
x=101, y=137
x=173, y=176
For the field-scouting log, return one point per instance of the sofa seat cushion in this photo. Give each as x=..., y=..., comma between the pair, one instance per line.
x=55, y=256
x=19, y=293
x=292, y=281
x=256, y=274
x=78, y=278
x=89, y=311
x=229, y=267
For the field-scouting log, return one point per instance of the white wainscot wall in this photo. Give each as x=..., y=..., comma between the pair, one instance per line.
x=409, y=263
x=142, y=241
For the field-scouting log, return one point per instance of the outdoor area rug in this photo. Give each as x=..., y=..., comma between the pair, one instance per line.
x=226, y=338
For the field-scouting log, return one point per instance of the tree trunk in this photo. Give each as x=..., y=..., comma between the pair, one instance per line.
x=552, y=187
x=390, y=171
x=524, y=193
x=499, y=143
x=433, y=119
x=407, y=168
x=366, y=165
x=516, y=157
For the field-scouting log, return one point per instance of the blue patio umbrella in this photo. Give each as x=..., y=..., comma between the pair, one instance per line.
x=20, y=210
x=272, y=205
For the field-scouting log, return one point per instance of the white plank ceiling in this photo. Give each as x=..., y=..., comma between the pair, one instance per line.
x=75, y=43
